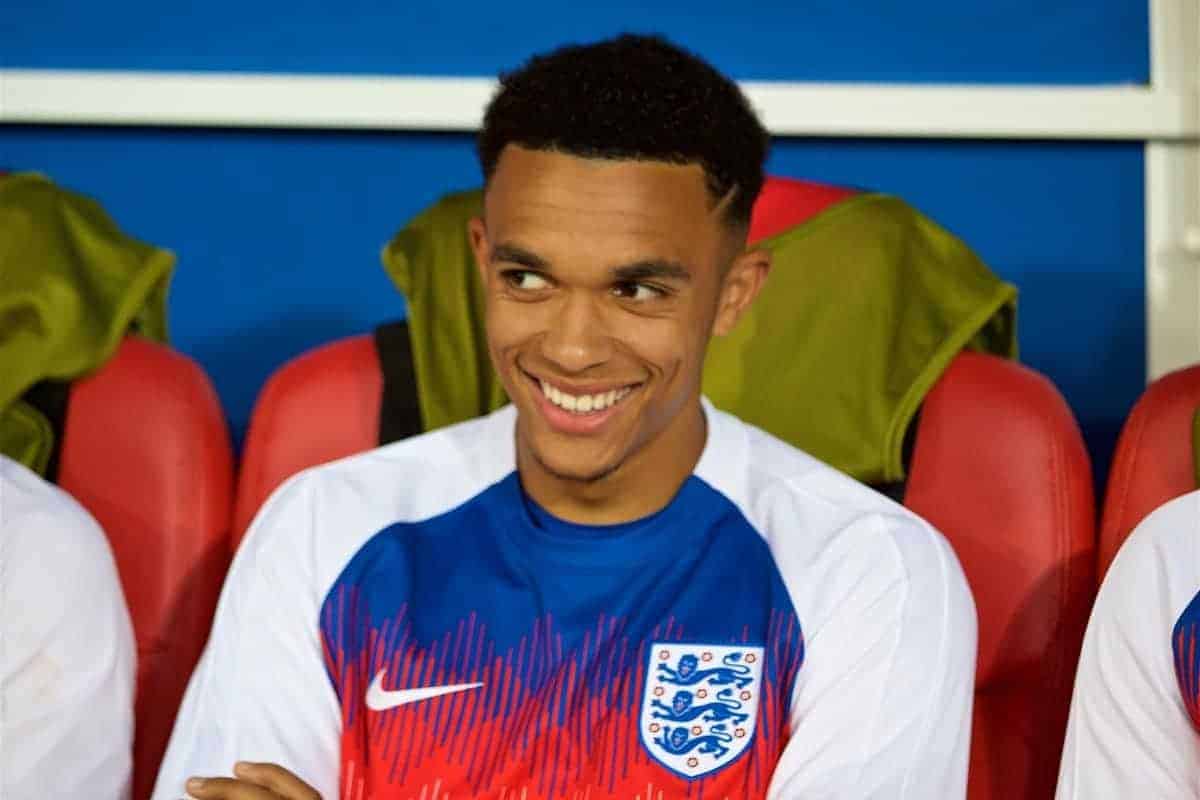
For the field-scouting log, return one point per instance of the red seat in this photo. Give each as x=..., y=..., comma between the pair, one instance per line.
x=146, y=450
x=338, y=388
x=1153, y=462
x=999, y=466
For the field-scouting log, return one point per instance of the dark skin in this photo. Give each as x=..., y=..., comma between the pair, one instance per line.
x=253, y=782
x=600, y=276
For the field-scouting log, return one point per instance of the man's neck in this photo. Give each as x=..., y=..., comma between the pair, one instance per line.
x=641, y=485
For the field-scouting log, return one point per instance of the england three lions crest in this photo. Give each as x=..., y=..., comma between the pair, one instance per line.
x=700, y=705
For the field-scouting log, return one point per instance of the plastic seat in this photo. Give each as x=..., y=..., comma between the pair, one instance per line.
x=999, y=466
x=146, y=450
x=1153, y=462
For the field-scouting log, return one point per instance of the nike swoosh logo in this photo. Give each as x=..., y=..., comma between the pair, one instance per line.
x=380, y=699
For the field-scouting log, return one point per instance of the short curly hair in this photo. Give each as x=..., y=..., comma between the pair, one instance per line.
x=632, y=98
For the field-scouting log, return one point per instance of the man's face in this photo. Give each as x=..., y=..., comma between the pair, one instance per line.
x=604, y=280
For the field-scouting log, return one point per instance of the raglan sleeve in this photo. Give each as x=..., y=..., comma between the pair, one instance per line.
x=67, y=658
x=1129, y=733
x=261, y=691
x=881, y=708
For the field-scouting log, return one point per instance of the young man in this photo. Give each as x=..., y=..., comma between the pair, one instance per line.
x=1135, y=712
x=608, y=589
x=66, y=649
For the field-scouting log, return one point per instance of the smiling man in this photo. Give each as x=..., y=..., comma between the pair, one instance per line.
x=609, y=588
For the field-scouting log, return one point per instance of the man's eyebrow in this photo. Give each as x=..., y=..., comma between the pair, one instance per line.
x=652, y=269
x=514, y=254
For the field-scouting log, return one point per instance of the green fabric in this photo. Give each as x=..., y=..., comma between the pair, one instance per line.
x=73, y=285
x=430, y=260
x=26, y=436
x=1196, y=444
x=866, y=305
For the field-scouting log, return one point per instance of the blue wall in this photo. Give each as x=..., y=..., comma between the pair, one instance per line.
x=278, y=232
x=1028, y=41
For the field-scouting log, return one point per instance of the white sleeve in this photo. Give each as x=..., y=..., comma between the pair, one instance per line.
x=261, y=691
x=882, y=705
x=1129, y=734
x=67, y=657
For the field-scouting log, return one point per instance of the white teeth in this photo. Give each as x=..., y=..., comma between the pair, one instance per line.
x=583, y=404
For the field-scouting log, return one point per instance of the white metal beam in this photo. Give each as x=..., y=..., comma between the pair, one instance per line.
x=1173, y=198
x=1138, y=113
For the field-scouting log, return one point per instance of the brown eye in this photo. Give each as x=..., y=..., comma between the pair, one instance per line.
x=525, y=280
x=637, y=292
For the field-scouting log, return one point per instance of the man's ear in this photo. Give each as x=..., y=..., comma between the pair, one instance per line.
x=742, y=282
x=477, y=234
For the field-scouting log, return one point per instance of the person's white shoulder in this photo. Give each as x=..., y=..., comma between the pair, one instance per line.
x=1157, y=567
x=27, y=501
x=67, y=655
x=341, y=504
x=819, y=522
x=1129, y=731
x=261, y=691
x=882, y=702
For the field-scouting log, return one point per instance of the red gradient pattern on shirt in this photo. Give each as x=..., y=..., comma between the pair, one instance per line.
x=1187, y=672
x=546, y=723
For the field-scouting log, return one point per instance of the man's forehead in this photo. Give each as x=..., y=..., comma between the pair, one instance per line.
x=538, y=182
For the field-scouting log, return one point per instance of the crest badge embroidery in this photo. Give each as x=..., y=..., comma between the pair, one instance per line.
x=700, y=705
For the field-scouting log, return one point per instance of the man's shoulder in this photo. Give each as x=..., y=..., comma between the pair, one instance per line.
x=1160, y=561
x=473, y=449
x=807, y=511
x=337, y=507
x=758, y=471
x=460, y=458
x=29, y=503
x=1170, y=530
x=49, y=539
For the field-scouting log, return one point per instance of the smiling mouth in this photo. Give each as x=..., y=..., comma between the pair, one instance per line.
x=583, y=404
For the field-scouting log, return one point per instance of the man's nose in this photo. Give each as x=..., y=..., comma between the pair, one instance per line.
x=578, y=337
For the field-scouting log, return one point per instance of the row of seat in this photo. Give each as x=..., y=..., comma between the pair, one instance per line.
x=998, y=464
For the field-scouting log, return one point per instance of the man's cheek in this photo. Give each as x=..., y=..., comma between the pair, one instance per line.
x=508, y=328
x=666, y=346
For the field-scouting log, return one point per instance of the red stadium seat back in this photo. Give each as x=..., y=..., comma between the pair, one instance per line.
x=1153, y=462
x=318, y=407
x=146, y=450
x=999, y=466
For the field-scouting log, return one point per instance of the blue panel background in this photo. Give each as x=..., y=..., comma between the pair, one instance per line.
x=278, y=235
x=278, y=232
x=1065, y=41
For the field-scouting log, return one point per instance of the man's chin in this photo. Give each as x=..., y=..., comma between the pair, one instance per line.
x=581, y=471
